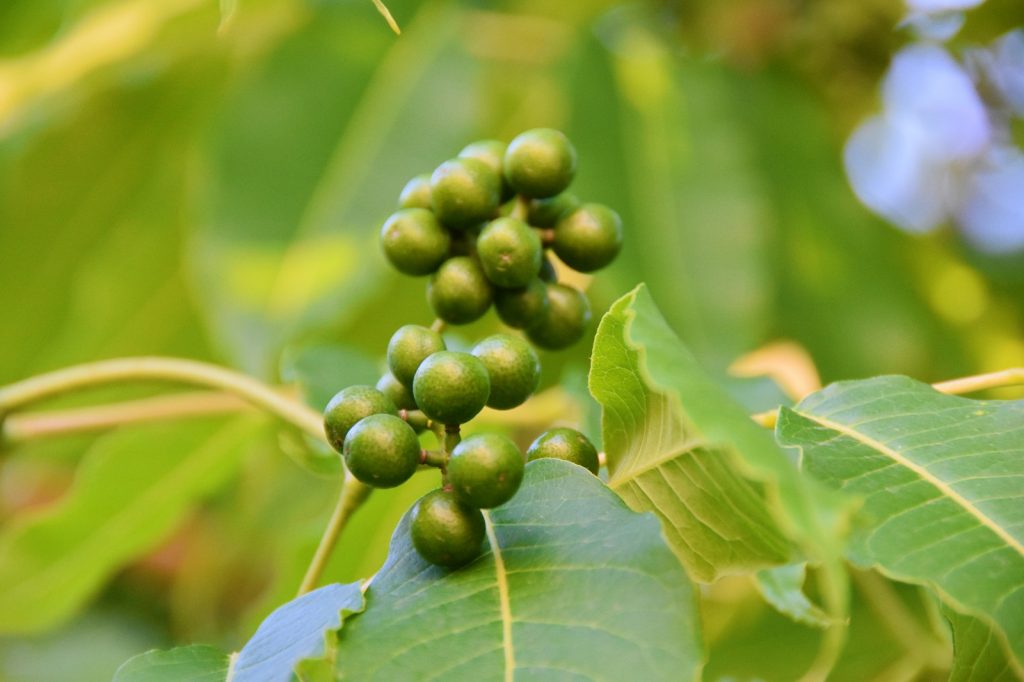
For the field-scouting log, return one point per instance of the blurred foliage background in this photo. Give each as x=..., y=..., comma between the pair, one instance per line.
x=203, y=179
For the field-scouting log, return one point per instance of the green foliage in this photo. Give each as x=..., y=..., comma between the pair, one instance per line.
x=126, y=498
x=536, y=601
x=197, y=662
x=939, y=478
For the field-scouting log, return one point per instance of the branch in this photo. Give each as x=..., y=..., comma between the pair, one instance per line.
x=972, y=384
x=172, y=370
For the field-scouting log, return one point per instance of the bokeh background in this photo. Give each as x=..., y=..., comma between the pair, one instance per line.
x=207, y=180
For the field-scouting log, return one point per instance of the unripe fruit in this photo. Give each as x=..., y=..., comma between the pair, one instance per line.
x=547, y=212
x=540, y=163
x=464, y=192
x=486, y=470
x=513, y=367
x=565, y=320
x=510, y=252
x=409, y=347
x=414, y=241
x=459, y=292
x=446, y=531
x=349, y=406
x=396, y=391
x=567, y=444
x=492, y=153
x=451, y=387
x=589, y=238
x=522, y=308
x=416, y=193
x=382, y=450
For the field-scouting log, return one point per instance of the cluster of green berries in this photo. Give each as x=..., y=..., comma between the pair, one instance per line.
x=480, y=225
x=454, y=226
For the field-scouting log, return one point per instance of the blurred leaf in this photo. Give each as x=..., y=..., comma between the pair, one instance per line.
x=979, y=654
x=133, y=488
x=299, y=630
x=940, y=478
x=783, y=588
x=322, y=370
x=288, y=241
x=679, y=446
x=195, y=663
x=573, y=584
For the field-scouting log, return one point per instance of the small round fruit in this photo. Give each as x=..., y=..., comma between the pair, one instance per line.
x=510, y=252
x=565, y=320
x=446, y=531
x=414, y=242
x=416, y=193
x=522, y=308
x=486, y=470
x=459, y=291
x=350, y=405
x=547, y=212
x=540, y=163
x=409, y=347
x=399, y=393
x=491, y=152
x=382, y=450
x=451, y=387
x=513, y=367
x=589, y=238
x=567, y=444
x=464, y=192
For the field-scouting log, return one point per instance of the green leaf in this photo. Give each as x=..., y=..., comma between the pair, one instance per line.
x=677, y=445
x=299, y=630
x=783, y=588
x=941, y=479
x=574, y=585
x=196, y=663
x=133, y=487
x=979, y=654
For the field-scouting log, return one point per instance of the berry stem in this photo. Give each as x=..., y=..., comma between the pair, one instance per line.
x=433, y=458
x=521, y=208
x=438, y=325
x=172, y=370
x=547, y=237
x=386, y=13
x=970, y=384
x=353, y=494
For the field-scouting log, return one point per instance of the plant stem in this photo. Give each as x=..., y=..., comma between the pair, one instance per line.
x=383, y=9
x=521, y=208
x=353, y=494
x=23, y=427
x=173, y=370
x=970, y=384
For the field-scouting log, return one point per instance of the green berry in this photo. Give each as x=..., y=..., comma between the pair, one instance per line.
x=459, y=292
x=491, y=152
x=464, y=192
x=540, y=163
x=513, y=367
x=414, y=242
x=547, y=271
x=382, y=450
x=522, y=308
x=451, y=387
x=446, y=531
x=486, y=470
x=565, y=320
x=509, y=252
x=588, y=238
x=547, y=212
x=416, y=193
x=567, y=444
x=409, y=347
x=350, y=405
x=396, y=391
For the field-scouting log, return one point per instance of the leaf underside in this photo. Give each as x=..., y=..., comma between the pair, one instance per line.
x=574, y=585
x=942, y=482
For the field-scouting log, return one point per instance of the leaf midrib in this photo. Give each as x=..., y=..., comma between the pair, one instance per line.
x=921, y=471
x=501, y=580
